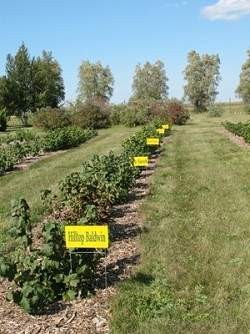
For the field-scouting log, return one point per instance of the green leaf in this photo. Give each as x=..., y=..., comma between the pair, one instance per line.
x=69, y=295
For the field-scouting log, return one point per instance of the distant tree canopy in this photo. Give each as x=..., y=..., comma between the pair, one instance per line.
x=243, y=89
x=29, y=84
x=95, y=82
x=150, y=82
x=202, y=75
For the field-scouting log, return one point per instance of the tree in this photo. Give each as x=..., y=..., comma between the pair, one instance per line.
x=243, y=89
x=30, y=83
x=150, y=82
x=95, y=82
x=2, y=92
x=18, y=83
x=202, y=74
x=47, y=82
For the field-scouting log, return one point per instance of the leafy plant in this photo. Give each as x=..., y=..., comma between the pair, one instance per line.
x=65, y=138
x=240, y=129
x=25, y=144
x=42, y=274
x=215, y=111
x=51, y=118
x=177, y=112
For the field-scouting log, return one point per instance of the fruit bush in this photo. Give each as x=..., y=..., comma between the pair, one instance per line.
x=102, y=182
x=25, y=144
x=64, y=138
x=239, y=129
x=41, y=273
x=51, y=118
x=93, y=114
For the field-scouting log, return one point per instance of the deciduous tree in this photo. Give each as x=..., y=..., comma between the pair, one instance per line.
x=47, y=82
x=243, y=89
x=202, y=75
x=95, y=82
x=150, y=82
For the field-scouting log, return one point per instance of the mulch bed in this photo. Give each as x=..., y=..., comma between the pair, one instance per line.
x=90, y=315
x=235, y=139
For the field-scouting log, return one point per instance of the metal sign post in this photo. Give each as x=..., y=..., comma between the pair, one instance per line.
x=96, y=237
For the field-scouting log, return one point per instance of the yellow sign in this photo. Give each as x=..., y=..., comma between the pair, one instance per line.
x=165, y=126
x=153, y=141
x=161, y=131
x=140, y=162
x=86, y=236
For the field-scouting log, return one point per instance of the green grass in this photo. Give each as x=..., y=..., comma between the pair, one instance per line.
x=48, y=172
x=194, y=272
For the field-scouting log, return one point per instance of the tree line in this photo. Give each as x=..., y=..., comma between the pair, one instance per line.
x=31, y=83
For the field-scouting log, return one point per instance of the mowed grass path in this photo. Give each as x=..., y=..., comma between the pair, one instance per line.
x=194, y=275
x=46, y=173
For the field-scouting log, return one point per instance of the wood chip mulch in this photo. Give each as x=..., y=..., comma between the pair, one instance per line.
x=90, y=315
x=235, y=139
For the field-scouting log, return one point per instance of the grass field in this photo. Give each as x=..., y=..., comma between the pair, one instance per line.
x=46, y=174
x=194, y=272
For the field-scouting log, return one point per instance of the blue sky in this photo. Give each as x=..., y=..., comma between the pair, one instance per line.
x=121, y=33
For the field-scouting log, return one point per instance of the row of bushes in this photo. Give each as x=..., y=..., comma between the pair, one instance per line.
x=97, y=115
x=24, y=146
x=239, y=129
x=41, y=274
x=18, y=136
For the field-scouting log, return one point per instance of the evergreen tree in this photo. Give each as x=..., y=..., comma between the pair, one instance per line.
x=30, y=83
x=18, y=83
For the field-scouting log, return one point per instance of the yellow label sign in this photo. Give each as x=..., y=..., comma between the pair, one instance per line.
x=165, y=126
x=161, y=131
x=153, y=141
x=140, y=162
x=86, y=236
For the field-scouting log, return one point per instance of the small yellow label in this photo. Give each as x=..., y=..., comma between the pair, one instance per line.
x=161, y=131
x=165, y=126
x=86, y=236
x=153, y=141
x=140, y=162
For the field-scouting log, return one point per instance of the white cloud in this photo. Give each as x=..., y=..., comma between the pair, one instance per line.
x=227, y=10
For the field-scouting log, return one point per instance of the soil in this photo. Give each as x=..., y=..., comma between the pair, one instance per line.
x=90, y=315
x=235, y=139
x=27, y=162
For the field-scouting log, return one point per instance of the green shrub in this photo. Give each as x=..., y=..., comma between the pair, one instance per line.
x=239, y=129
x=3, y=121
x=51, y=118
x=135, y=115
x=247, y=109
x=41, y=275
x=64, y=138
x=22, y=145
x=91, y=115
x=116, y=112
x=215, y=111
x=102, y=182
x=20, y=136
